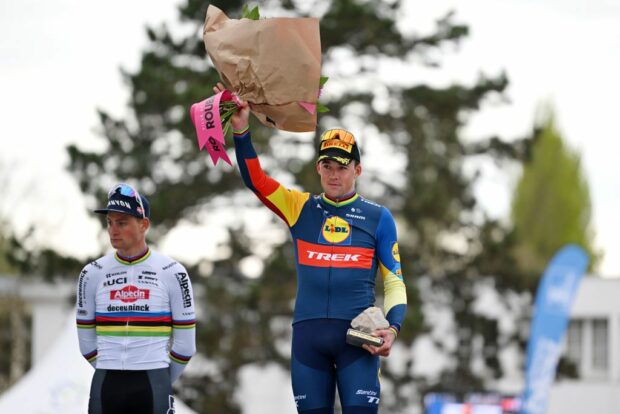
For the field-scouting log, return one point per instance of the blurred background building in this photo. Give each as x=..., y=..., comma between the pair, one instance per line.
x=593, y=347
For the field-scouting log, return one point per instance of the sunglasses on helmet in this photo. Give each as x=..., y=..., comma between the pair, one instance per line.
x=128, y=191
x=340, y=134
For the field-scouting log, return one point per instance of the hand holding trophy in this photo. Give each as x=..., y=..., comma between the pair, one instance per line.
x=364, y=325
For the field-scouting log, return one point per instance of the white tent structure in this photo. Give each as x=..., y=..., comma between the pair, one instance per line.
x=59, y=382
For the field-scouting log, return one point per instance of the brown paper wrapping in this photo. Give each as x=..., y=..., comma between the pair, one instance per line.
x=271, y=63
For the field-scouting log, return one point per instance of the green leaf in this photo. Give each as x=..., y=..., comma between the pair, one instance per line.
x=255, y=14
x=250, y=14
x=323, y=81
x=320, y=108
x=226, y=127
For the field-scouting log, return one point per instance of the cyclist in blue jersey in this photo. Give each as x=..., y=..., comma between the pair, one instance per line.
x=135, y=315
x=341, y=240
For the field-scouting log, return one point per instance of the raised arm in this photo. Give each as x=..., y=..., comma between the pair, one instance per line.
x=287, y=204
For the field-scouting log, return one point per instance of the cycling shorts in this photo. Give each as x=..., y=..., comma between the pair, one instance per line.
x=321, y=360
x=131, y=392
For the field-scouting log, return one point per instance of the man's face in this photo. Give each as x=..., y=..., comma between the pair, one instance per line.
x=126, y=232
x=337, y=179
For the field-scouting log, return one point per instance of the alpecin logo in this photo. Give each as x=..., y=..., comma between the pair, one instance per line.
x=129, y=294
x=183, y=280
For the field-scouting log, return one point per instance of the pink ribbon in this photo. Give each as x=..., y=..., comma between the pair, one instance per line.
x=308, y=106
x=206, y=118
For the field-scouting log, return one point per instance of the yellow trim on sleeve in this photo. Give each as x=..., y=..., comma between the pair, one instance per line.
x=289, y=202
x=394, y=290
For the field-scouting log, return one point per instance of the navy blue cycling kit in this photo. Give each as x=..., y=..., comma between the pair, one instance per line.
x=339, y=246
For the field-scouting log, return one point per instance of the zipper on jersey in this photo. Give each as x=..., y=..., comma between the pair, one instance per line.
x=329, y=282
x=130, y=278
x=335, y=205
x=329, y=274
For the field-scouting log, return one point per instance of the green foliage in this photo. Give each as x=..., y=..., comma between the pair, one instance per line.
x=551, y=205
x=45, y=262
x=6, y=230
x=154, y=148
x=15, y=341
x=320, y=108
x=252, y=14
x=5, y=266
x=20, y=255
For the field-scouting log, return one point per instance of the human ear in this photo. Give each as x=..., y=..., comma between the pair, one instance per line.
x=145, y=224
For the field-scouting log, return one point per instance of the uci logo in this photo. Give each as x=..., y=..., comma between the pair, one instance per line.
x=117, y=281
x=336, y=230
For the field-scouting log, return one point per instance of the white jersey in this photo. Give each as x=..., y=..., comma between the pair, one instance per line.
x=127, y=312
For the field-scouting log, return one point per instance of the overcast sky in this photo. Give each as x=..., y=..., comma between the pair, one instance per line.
x=60, y=60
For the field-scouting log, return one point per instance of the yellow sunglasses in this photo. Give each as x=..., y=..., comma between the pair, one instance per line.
x=340, y=134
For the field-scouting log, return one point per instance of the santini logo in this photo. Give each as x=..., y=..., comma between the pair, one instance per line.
x=371, y=395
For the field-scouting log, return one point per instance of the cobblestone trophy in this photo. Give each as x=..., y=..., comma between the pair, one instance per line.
x=364, y=324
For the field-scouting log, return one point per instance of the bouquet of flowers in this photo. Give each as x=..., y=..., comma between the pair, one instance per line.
x=273, y=64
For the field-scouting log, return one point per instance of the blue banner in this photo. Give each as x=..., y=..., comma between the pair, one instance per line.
x=554, y=299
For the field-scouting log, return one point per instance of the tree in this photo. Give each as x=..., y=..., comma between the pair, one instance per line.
x=16, y=262
x=5, y=228
x=551, y=205
x=5, y=267
x=432, y=199
x=19, y=250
